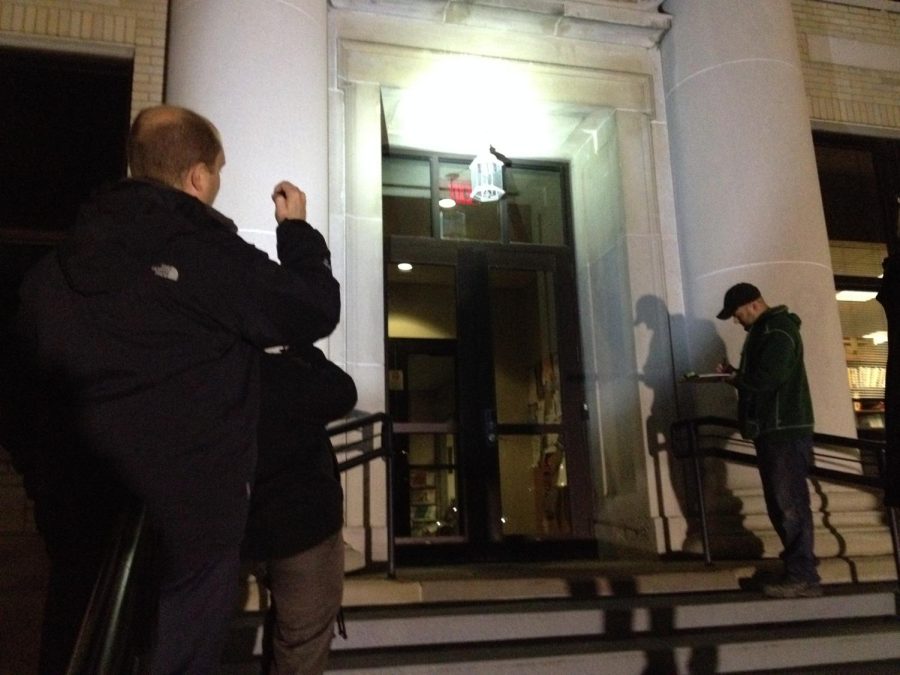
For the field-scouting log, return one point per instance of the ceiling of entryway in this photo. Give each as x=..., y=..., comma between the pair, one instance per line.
x=459, y=121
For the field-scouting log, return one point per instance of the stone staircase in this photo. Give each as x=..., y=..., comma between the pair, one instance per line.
x=628, y=618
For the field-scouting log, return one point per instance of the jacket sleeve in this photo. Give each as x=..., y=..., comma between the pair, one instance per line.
x=772, y=365
x=267, y=303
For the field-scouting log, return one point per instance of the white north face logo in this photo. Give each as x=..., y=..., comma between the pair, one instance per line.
x=169, y=272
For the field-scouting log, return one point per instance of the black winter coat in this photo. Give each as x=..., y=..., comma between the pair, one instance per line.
x=150, y=321
x=297, y=500
x=889, y=297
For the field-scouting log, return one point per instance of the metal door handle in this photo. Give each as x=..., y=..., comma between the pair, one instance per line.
x=490, y=426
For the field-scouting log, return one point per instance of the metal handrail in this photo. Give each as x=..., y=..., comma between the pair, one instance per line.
x=386, y=452
x=101, y=648
x=685, y=444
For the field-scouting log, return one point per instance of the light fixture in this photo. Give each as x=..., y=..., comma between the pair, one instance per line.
x=855, y=296
x=447, y=203
x=487, y=177
x=404, y=267
x=879, y=337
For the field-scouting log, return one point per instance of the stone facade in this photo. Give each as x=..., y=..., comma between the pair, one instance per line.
x=850, y=57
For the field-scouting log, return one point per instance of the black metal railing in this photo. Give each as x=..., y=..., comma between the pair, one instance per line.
x=689, y=444
x=366, y=447
x=102, y=646
x=115, y=623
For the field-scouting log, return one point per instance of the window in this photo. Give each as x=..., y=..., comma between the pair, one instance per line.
x=63, y=128
x=65, y=121
x=430, y=196
x=858, y=177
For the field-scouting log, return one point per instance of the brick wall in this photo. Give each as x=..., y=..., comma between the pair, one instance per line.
x=138, y=25
x=851, y=60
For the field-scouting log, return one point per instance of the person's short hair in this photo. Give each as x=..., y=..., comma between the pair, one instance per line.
x=166, y=141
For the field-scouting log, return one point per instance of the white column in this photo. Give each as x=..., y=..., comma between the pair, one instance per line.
x=358, y=206
x=746, y=188
x=258, y=70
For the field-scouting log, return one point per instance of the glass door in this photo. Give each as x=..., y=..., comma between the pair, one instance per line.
x=485, y=388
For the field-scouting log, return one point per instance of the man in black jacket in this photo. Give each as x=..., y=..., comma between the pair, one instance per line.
x=150, y=320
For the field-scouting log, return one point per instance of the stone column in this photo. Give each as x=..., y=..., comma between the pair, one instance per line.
x=258, y=70
x=746, y=188
x=356, y=212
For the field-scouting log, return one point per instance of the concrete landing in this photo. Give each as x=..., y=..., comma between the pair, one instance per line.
x=521, y=581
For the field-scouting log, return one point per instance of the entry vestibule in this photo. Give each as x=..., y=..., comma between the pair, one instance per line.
x=603, y=124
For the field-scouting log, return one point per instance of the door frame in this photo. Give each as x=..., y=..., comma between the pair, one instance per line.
x=483, y=536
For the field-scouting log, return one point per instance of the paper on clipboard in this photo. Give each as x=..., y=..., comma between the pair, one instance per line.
x=706, y=377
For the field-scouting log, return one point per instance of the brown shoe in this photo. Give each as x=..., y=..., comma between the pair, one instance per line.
x=793, y=589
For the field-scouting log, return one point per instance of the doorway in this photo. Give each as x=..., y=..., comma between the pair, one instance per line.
x=484, y=377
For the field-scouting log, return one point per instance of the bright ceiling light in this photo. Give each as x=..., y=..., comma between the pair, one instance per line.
x=404, y=267
x=447, y=203
x=499, y=102
x=855, y=296
x=879, y=337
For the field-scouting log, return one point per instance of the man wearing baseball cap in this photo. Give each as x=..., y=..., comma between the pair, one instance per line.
x=775, y=412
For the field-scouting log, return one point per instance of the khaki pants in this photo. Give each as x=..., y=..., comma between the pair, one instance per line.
x=307, y=590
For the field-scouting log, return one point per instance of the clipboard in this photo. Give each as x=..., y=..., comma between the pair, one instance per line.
x=706, y=377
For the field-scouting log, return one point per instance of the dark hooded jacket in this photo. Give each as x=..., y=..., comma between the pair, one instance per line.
x=149, y=322
x=297, y=499
x=889, y=297
x=773, y=393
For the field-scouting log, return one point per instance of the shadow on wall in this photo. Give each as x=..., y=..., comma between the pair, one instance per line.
x=689, y=400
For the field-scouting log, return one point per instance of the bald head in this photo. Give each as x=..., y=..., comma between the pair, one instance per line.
x=167, y=142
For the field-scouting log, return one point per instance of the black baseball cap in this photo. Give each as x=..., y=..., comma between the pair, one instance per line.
x=736, y=296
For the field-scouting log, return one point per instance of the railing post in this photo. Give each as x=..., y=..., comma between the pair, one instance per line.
x=387, y=445
x=366, y=425
x=701, y=500
x=892, y=520
x=895, y=535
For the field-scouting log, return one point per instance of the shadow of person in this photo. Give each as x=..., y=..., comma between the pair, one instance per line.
x=674, y=399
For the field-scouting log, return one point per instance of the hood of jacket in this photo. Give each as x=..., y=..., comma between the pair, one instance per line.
x=778, y=315
x=121, y=231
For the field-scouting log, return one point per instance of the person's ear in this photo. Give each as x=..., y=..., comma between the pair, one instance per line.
x=196, y=180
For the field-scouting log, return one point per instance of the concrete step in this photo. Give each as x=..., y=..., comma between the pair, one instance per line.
x=665, y=633
x=874, y=643
x=433, y=624
x=577, y=579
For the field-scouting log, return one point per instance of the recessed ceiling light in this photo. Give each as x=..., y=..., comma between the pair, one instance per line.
x=404, y=267
x=447, y=203
x=879, y=337
x=855, y=296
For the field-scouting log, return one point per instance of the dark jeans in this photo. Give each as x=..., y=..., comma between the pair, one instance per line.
x=784, y=467
x=195, y=608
